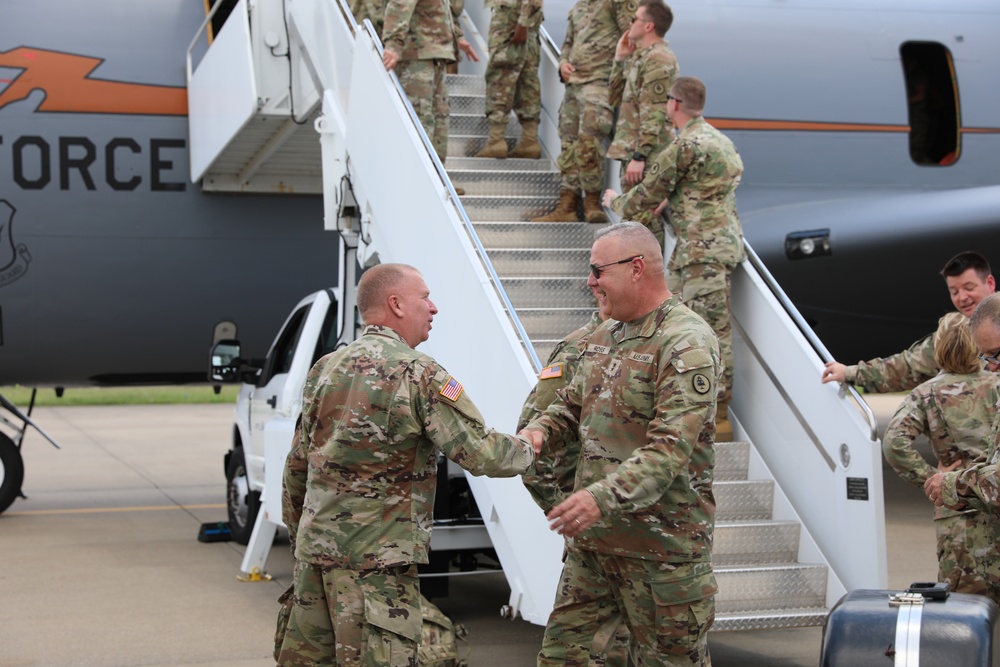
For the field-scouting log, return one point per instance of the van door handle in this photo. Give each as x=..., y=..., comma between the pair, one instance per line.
x=273, y=402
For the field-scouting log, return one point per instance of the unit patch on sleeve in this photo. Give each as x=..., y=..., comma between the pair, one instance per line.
x=700, y=383
x=452, y=389
x=549, y=372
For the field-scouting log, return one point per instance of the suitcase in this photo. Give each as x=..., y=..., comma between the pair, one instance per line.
x=909, y=629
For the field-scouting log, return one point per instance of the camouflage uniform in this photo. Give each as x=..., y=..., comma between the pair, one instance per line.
x=512, y=73
x=978, y=487
x=699, y=172
x=955, y=412
x=424, y=33
x=647, y=457
x=900, y=372
x=586, y=115
x=373, y=10
x=643, y=125
x=359, y=487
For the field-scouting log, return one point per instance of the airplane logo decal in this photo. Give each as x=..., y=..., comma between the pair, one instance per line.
x=70, y=88
x=13, y=260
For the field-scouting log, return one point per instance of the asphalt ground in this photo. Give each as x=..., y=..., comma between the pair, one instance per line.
x=101, y=565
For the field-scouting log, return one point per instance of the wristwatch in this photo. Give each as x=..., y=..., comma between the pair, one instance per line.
x=638, y=157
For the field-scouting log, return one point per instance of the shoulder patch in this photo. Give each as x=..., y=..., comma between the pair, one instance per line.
x=700, y=383
x=452, y=389
x=549, y=372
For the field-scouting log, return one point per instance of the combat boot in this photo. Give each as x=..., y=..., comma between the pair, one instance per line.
x=592, y=210
x=565, y=211
x=527, y=146
x=496, y=144
x=723, y=429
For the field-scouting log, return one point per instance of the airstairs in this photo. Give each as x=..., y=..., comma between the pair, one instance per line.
x=800, y=518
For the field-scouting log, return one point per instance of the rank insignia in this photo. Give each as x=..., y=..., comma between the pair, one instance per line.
x=549, y=372
x=452, y=389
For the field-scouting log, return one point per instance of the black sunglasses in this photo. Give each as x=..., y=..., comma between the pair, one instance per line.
x=596, y=269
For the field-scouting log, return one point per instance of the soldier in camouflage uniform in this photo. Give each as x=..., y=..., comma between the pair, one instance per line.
x=641, y=77
x=512, y=77
x=359, y=481
x=373, y=10
x=586, y=115
x=696, y=177
x=421, y=38
x=640, y=520
x=969, y=280
x=977, y=486
x=954, y=410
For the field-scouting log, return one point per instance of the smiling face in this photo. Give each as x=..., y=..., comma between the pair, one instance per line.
x=614, y=288
x=967, y=289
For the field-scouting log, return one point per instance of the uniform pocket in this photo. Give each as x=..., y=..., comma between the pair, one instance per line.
x=685, y=610
x=393, y=633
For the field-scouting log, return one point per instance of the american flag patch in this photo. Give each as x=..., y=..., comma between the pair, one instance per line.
x=549, y=372
x=452, y=389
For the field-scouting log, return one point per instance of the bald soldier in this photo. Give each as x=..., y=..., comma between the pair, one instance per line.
x=643, y=402
x=360, y=479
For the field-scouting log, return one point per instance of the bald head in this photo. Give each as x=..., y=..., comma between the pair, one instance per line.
x=375, y=287
x=627, y=271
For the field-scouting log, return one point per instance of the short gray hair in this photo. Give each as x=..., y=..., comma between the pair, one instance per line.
x=988, y=311
x=378, y=282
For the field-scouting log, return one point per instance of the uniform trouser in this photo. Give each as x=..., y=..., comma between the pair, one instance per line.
x=667, y=607
x=424, y=83
x=352, y=618
x=956, y=564
x=585, y=118
x=705, y=289
x=512, y=73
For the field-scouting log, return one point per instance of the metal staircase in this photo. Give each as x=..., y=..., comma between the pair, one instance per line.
x=543, y=268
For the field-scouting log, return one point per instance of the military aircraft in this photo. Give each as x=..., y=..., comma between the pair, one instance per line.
x=868, y=131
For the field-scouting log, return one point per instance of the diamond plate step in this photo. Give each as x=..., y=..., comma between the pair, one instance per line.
x=537, y=234
x=543, y=348
x=743, y=500
x=770, y=588
x=465, y=84
x=565, y=292
x=539, y=262
x=553, y=323
x=501, y=182
x=770, y=619
x=464, y=104
x=731, y=460
x=478, y=126
x=467, y=146
x=492, y=209
x=492, y=164
x=755, y=542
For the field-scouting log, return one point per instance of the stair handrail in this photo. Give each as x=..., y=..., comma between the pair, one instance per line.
x=457, y=203
x=808, y=333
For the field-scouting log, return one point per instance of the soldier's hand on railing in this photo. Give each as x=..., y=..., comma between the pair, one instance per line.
x=834, y=372
x=389, y=59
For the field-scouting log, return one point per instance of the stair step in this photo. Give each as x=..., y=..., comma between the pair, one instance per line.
x=537, y=234
x=501, y=182
x=476, y=125
x=771, y=619
x=553, y=323
x=731, y=459
x=465, y=104
x=494, y=209
x=561, y=292
x=492, y=164
x=743, y=500
x=539, y=262
x=785, y=587
x=464, y=145
x=755, y=542
x=465, y=84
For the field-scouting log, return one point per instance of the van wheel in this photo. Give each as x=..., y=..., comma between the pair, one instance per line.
x=11, y=472
x=242, y=504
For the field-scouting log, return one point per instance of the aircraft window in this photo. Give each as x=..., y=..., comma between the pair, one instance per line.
x=280, y=359
x=932, y=98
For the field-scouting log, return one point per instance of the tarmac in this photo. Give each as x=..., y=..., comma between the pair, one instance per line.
x=101, y=566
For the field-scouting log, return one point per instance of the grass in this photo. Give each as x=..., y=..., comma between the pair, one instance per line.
x=46, y=396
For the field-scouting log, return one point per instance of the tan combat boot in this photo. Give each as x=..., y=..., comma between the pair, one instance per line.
x=592, y=210
x=566, y=209
x=723, y=429
x=496, y=144
x=527, y=146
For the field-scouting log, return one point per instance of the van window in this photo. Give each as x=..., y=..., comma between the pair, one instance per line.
x=932, y=99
